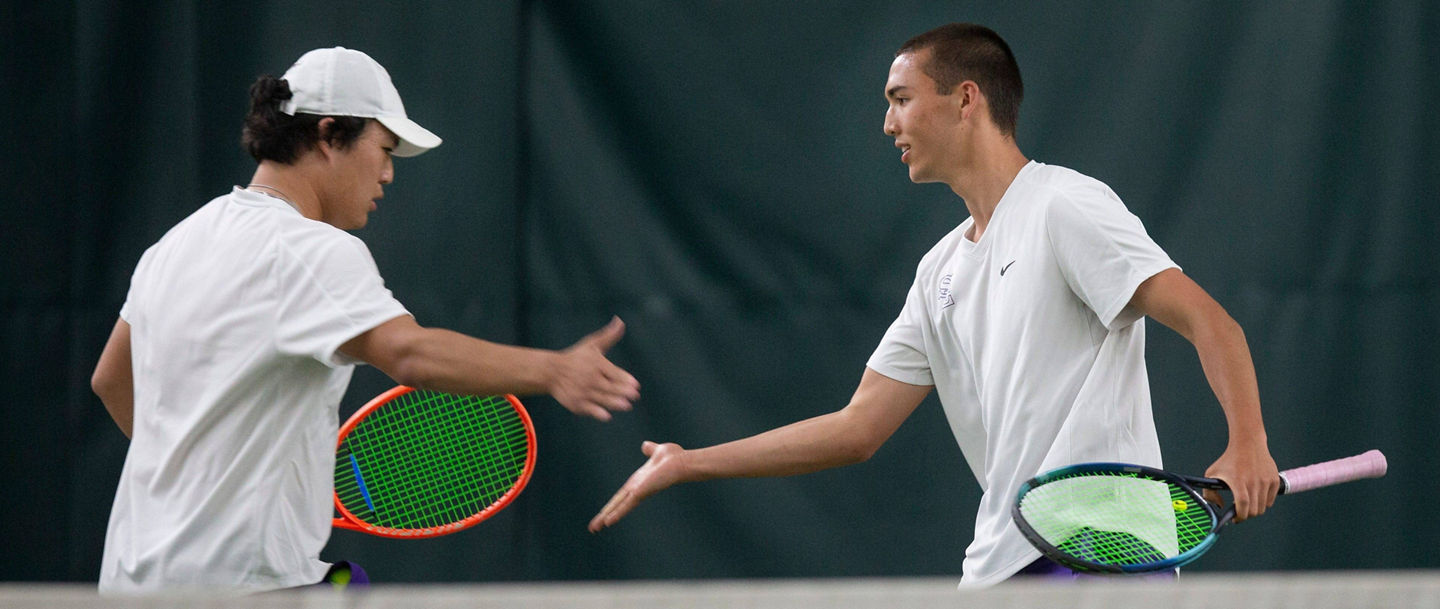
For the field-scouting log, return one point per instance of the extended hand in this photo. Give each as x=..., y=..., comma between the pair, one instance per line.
x=1253, y=479
x=664, y=469
x=586, y=383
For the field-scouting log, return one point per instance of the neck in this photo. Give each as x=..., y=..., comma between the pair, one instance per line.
x=983, y=182
x=287, y=182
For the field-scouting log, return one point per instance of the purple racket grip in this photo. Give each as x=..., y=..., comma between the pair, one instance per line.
x=1370, y=464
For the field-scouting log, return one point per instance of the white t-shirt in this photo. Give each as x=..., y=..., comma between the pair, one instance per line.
x=1028, y=341
x=236, y=315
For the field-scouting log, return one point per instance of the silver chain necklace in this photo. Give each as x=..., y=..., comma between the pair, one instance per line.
x=283, y=197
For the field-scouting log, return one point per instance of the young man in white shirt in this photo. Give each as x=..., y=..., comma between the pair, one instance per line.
x=1023, y=318
x=242, y=327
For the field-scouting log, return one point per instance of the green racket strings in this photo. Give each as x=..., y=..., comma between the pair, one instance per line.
x=430, y=459
x=1116, y=518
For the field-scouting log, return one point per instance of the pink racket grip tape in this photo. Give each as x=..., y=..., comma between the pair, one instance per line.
x=1370, y=464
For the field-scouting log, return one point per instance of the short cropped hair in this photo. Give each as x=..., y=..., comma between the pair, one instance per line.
x=965, y=51
x=272, y=135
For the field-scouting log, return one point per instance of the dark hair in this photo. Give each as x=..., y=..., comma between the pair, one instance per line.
x=272, y=135
x=965, y=51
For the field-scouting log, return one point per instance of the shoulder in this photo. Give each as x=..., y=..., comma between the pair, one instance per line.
x=1054, y=187
x=1061, y=196
x=322, y=248
x=195, y=230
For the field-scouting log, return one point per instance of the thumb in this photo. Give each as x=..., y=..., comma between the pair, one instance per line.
x=648, y=448
x=1213, y=496
x=606, y=337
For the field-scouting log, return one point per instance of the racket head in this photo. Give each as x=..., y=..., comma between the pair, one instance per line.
x=414, y=463
x=1116, y=518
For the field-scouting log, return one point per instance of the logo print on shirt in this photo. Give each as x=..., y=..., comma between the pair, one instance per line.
x=945, y=298
x=1003, y=268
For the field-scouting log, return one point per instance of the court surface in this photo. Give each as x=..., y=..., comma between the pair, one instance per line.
x=1297, y=590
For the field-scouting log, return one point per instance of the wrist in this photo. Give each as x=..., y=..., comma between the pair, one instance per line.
x=1248, y=441
x=549, y=373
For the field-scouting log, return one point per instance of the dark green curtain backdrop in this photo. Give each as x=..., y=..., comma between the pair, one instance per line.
x=715, y=173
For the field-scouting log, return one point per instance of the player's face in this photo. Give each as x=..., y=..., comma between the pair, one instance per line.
x=361, y=172
x=924, y=123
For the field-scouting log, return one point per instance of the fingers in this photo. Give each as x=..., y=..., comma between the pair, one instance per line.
x=1244, y=504
x=595, y=412
x=1250, y=473
x=598, y=404
x=1250, y=500
x=1257, y=498
x=622, y=383
x=614, y=510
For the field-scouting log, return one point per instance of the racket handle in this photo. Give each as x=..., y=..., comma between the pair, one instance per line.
x=1370, y=464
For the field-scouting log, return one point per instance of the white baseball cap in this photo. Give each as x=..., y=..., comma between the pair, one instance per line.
x=346, y=82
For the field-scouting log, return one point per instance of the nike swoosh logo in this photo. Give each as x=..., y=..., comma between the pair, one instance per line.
x=1002, y=269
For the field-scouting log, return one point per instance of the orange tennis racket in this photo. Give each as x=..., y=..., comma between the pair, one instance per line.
x=416, y=463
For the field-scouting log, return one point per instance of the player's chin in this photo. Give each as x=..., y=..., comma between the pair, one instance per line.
x=353, y=225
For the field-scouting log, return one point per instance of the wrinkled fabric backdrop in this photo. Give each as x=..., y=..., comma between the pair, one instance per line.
x=715, y=173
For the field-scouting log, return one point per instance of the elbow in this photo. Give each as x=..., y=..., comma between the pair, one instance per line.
x=1221, y=328
x=860, y=453
x=854, y=439
x=409, y=364
x=409, y=369
x=104, y=385
x=859, y=447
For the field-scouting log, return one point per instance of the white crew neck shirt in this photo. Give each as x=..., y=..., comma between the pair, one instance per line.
x=1028, y=340
x=236, y=318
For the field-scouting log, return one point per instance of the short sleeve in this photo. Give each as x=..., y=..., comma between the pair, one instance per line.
x=330, y=292
x=131, y=307
x=1103, y=251
x=901, y=354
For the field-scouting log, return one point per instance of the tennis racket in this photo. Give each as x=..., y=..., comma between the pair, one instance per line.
x=417, y=463
x=1122, y=518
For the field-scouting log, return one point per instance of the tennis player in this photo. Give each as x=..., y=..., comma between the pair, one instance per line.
x=1026, y=319
x=242, y=327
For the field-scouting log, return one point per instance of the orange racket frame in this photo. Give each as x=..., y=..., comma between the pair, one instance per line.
x=350, y=522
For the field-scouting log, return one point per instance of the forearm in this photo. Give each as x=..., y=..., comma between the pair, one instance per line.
x=448, y=361
x=1225, y=359
x=803, y=447
x=120, y=403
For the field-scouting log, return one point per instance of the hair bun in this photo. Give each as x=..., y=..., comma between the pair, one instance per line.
x=269, y=91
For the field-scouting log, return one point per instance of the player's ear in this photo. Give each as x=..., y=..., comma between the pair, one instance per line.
x=323, y=129
x=967, y=98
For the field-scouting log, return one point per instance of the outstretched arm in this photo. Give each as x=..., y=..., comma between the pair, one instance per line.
x=849, y=435
x=114, y=380
x=579, y=377
x=1175, y=300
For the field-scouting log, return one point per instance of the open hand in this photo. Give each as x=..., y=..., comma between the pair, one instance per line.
x=586, y=383
x=665, y=468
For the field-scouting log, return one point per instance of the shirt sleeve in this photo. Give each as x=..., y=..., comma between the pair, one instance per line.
x=330, y=292
x=1104, y=252
x=901, y=354
x=129, y=309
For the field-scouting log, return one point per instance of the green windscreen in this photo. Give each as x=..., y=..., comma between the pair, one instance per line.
x=1116, y=518
x=429, y=459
